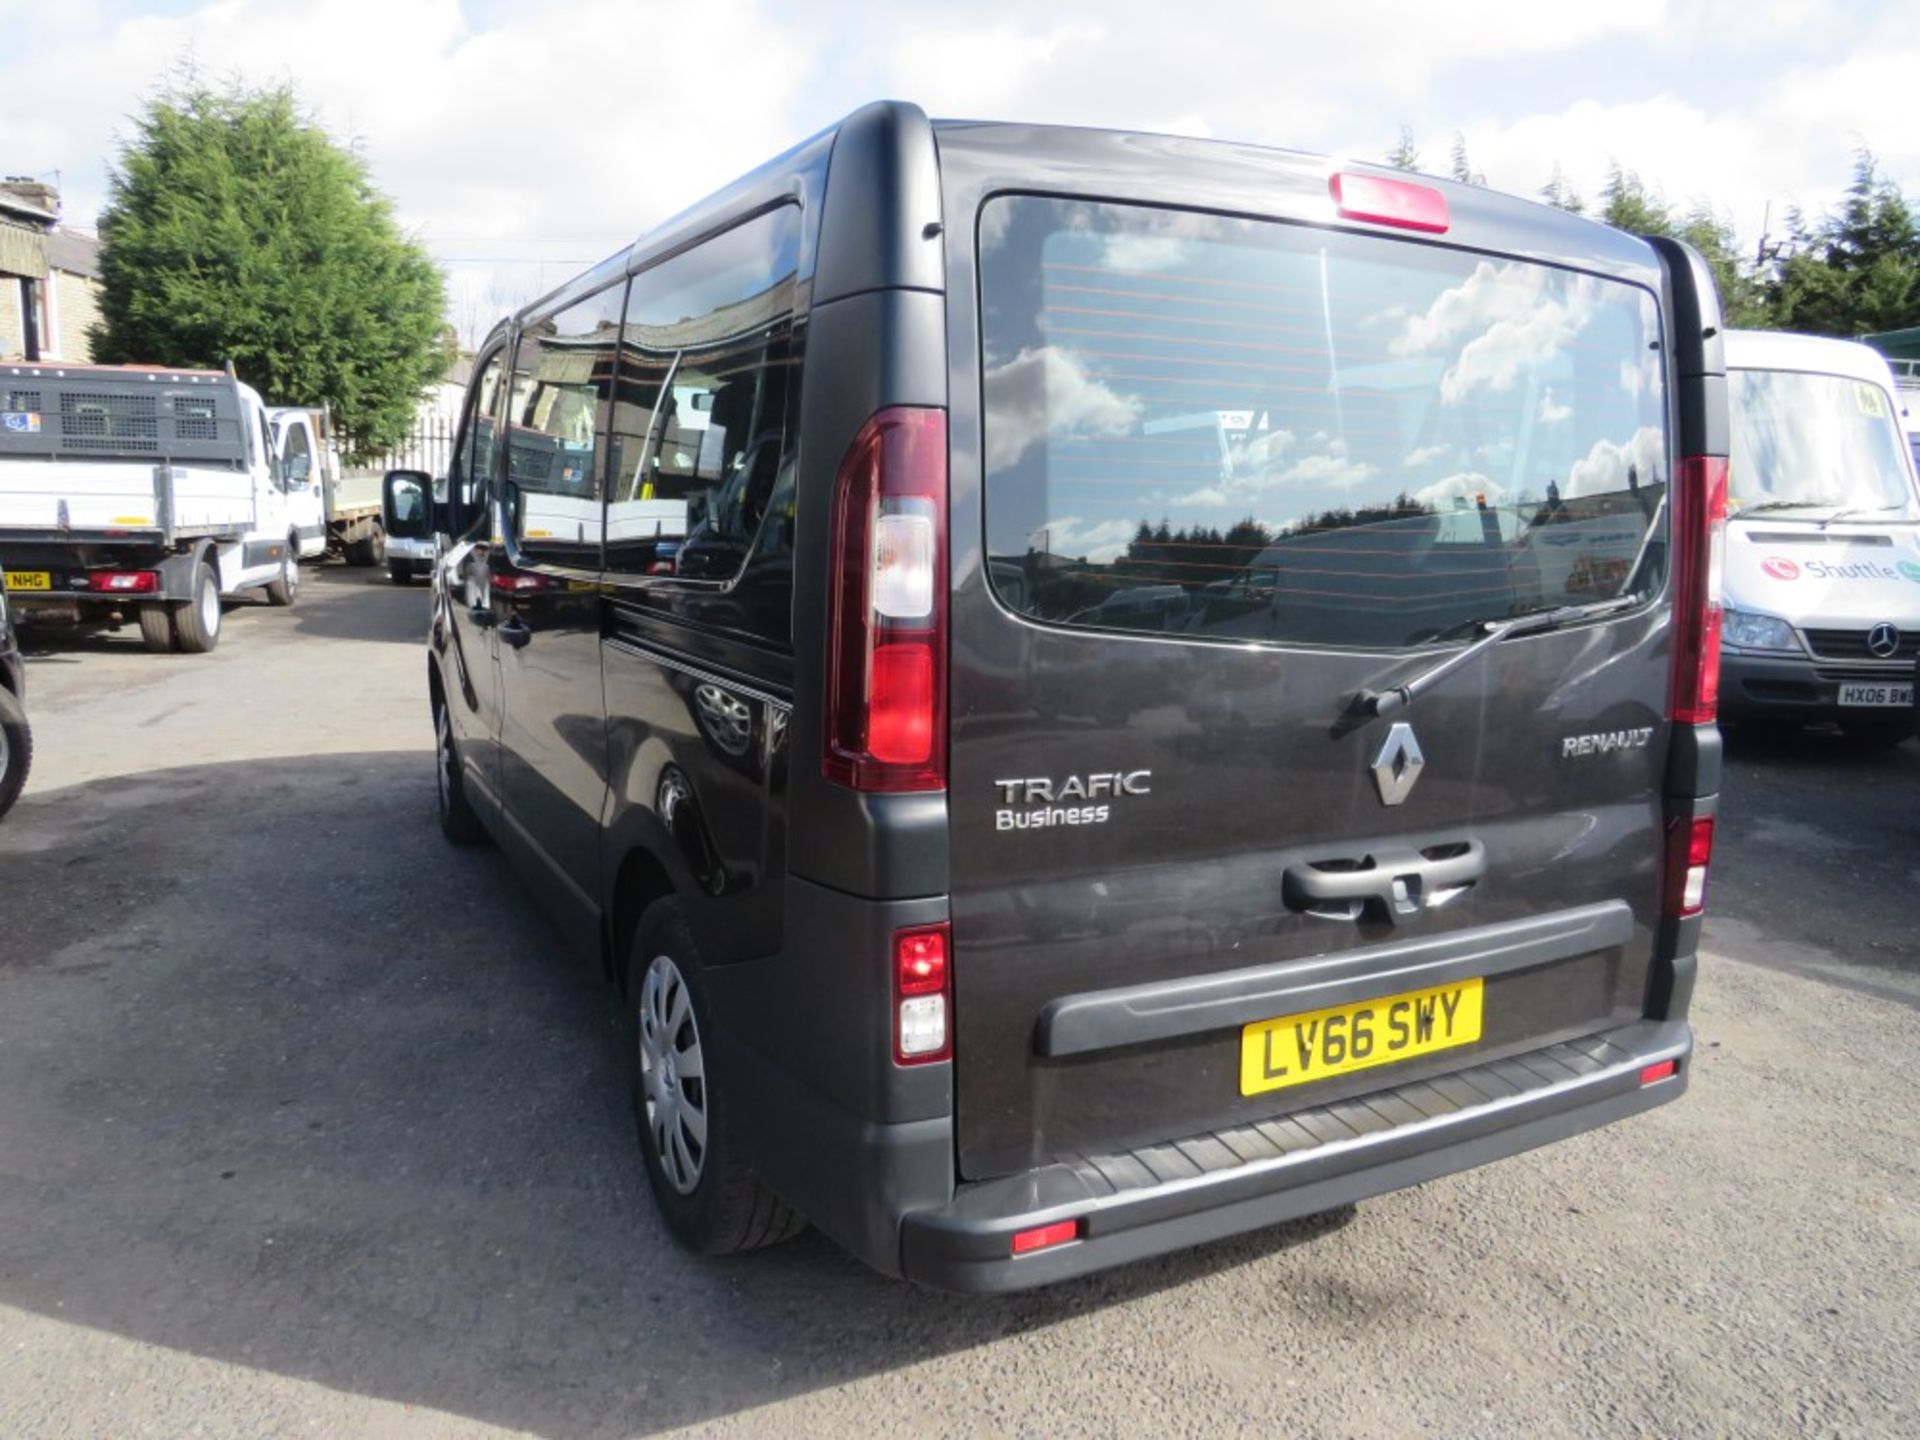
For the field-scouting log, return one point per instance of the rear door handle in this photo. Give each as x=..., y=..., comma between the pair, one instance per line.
x=515, y=633
x=1397, y=881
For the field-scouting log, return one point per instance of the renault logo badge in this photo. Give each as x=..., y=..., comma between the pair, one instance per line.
x=1884, y=641
x=1398, y=764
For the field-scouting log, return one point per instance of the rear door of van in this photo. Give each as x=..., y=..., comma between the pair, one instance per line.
x=1226, y=463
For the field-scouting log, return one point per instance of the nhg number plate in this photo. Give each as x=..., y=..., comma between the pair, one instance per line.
x=29, y=580
x=1319, y=1044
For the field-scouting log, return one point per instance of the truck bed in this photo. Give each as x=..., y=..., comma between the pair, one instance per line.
x=105, y=451
x=354, y=493
x=43, y=499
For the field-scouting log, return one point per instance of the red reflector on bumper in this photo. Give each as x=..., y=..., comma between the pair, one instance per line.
x=1665, y=1070
x=1043, y=1237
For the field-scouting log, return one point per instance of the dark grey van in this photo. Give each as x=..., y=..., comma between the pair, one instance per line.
x=1093, y=691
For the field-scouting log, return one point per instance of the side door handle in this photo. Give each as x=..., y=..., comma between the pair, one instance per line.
x=514, y=632
x=1393, y=880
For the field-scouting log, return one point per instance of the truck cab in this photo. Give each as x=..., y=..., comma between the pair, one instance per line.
x=311, y=469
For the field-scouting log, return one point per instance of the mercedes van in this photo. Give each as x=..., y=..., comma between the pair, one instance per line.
x=1822, y=619
x=1092, y=692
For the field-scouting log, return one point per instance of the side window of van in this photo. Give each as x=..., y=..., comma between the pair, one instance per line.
x=702, y=485
x=556, y=431
x=470, y=479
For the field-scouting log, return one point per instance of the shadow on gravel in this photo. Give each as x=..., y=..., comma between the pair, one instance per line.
x=291, y=1084
x=346, y=602
x=1807, y=748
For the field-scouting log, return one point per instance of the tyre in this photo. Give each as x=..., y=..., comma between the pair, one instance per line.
x=400, y=572
x=16, y=749
x=458, y=820
x=196, y=622
x=156, y=628
x=1878, y=731
x=370, y=549
x=286, y=589
x=711, y=1201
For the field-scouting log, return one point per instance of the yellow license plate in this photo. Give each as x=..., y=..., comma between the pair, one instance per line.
x=1320, y=1044
x=29, y=580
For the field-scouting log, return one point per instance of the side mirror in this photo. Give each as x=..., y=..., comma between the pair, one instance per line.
x=406, y=504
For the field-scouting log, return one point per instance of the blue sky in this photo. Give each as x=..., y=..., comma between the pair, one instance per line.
x=522, y=139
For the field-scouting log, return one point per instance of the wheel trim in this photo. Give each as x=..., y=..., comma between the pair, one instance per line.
x=6, y=755
x=443, y=772
x=210, y=606
x=290, y=571
x=673, y=1075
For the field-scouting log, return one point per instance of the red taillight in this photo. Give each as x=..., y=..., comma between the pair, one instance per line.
x=1660, y=1070
x=886, y=721
x=123, y=582
x=520, y=582
x=1044, y=1237
x=1699, y=545
x=1689, y=853
x=922, y=991
x=1384, y=201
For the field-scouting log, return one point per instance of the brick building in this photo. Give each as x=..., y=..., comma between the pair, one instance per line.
x=49, y=277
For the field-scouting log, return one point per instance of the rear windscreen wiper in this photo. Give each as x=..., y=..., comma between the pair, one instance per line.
x=1398, y=697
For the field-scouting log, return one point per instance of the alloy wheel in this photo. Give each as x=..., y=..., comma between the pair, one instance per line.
x=673, y=1075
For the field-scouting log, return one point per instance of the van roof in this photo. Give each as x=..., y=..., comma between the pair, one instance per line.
x=1169, y=169
x=1822, y=354
x=1238, y=176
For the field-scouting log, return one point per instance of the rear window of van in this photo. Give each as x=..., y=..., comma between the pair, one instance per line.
x=1253, y=431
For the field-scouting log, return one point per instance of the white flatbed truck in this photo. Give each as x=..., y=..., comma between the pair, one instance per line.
x=145, y=491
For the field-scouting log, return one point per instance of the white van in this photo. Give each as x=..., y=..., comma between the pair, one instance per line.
x=1822, y=599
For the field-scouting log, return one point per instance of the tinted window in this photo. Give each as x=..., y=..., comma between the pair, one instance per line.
x=702, y=484
x=1246, y=430
x=476, y=455
x=1804, y=441
x=556, y=445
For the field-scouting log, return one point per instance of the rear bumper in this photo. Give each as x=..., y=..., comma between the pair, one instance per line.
x=1786, y=687
x=1171, y=1196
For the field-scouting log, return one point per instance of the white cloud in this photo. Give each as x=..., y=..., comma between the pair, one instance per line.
x=1468, y=485
x=1143, y=252
x=525, y=140
x=1046, y=392
x=1333, y=470
x=1552, y=412
x=1604, y=467
x=490, y=144
x=1512, y=317
x=1426, y=455
x=1098, y=541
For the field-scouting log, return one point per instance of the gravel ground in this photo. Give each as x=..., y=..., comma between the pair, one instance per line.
x=308, y=1128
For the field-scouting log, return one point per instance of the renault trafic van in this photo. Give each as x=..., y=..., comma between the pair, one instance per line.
x=1822, y=617
x=1092, y=692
